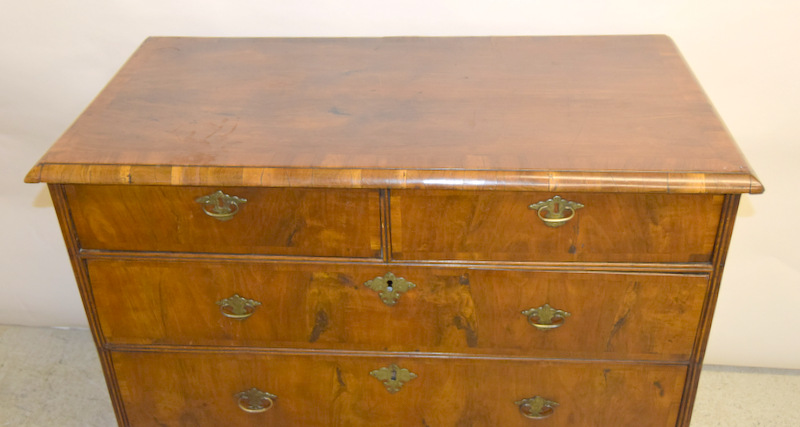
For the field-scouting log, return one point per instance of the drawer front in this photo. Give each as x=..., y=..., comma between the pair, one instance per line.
x=320, y=305
x=501, y=226
x=200, y=389
x=279, y=221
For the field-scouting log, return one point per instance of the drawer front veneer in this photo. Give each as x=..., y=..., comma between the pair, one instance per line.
x=276, y=221
x=199, y=389
x=320, y=305
x=501, y=226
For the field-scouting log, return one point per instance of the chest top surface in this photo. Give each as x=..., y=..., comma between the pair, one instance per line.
x=602, y=113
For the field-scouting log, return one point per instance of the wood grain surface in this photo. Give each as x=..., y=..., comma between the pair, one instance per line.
x=419, y=157
x=278, y=221
x=198, y=389
x=599, y=112
x=318, y=306
x=499, y=226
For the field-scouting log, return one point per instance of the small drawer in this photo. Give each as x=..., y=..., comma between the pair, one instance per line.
x=276, y=221
x=328, y=306
x=208, y=389
x=513, y=226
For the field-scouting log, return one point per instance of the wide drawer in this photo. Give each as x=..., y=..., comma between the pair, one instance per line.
x=279, y=221
x=203, y=389
x=502, y=226
x=321, y=305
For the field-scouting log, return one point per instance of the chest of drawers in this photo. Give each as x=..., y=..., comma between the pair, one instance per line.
x=511, y=231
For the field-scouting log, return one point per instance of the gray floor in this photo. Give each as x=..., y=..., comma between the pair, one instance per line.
x=52, y=377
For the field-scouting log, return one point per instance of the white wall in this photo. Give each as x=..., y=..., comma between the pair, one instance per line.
x=55, y=56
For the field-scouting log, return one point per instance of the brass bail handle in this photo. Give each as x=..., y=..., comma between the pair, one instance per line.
x=236, y=307
x=555, y=212
x=220, y=205
x=546, y=317
x=536, y=408
x=255, y=401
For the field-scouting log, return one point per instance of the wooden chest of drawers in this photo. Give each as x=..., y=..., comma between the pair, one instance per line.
x=511, y=231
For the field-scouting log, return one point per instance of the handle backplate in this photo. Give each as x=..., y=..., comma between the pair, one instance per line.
x=555, y=212
x=237, y=307
x=220, y=205
x=255, y=401
x=546, y=317
x=536, y=408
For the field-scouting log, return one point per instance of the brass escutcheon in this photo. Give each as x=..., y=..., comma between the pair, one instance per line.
x=553, y=212
x=389, y=287
x=220, y=205
x=255, y=401
x=546, y=317
x=393, y=377
x=237, y=307
x=536, y=407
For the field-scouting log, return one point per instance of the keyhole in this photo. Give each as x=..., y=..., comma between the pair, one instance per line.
x=394, y=375
x=389, y=285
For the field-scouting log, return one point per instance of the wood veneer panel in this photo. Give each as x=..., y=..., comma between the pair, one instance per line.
x=499, y=226
x=560, y=111
x=275, y=221
x=704, y=327
x=80, y=270
x=198, y=389
x=613, y=316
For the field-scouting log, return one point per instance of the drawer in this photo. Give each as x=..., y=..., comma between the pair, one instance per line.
x=279, y=221
x=200, y=389
x=501, y=226
x=321, y=305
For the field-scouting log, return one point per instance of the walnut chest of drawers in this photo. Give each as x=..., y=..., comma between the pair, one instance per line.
x=509, y=231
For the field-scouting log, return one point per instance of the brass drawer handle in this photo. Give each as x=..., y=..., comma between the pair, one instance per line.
x=255, y=401
x=536, y=408
x=237, y=307
x=389, y=287
x=546, y=317
x=220, y=205
x=555, y=212
x=393, y=377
